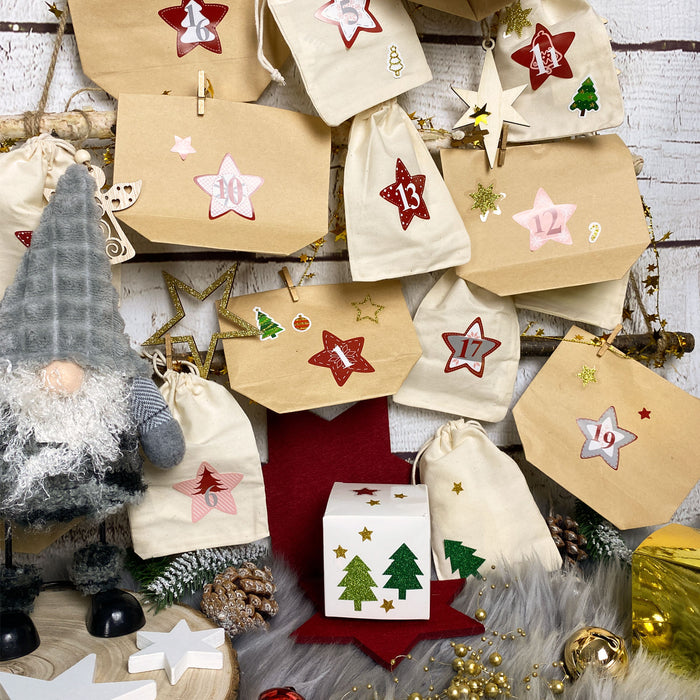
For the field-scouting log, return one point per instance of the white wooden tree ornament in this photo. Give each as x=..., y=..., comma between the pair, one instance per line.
x=177, y=650
x=77, y=684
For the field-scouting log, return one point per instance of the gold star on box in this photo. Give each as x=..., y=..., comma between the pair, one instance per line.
x=367, y=309
x=515, y=18
x=340, y=552
x=387, y=605
x=400, y=495
x=173, y=284
x=457, y=487
x=373, y=503
x=587, y=375
x=485, y=199
x=365, y=534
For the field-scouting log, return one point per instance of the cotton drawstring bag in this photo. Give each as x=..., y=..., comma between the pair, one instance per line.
x=470, y=9
x=215, y=497
x=399, y=214
x=471, y=348
x=352, y=54
x=24, y=174
x=481, y=509
x=565, y=59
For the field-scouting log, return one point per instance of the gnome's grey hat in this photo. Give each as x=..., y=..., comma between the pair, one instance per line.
x=61, y=304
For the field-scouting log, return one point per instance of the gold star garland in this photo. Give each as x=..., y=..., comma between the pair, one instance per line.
x=173, y=284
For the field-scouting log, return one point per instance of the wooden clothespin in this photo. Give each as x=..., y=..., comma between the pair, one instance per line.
x=502, y=145
x=201, y=93
x=609, y=340
x=284, y=274
x=168, y=351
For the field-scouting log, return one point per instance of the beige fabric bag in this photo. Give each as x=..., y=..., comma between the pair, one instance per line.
x=399, y=215
x=216, y=496
x=471, y=9
x=471, y=348
x=352, y=54
x=24, y=173
x=481, y=509
x=572, y=87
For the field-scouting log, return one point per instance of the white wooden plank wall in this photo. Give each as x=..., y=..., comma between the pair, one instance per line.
x=659, y=58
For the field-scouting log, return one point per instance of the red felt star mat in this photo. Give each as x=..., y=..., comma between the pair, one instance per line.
x=384, y=640
x=307, y=456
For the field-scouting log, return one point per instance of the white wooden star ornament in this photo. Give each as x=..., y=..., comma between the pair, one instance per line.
x=75, y=683
x=177, y=650
x=490, y=106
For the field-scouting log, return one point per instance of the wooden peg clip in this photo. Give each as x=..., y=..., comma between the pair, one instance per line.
x=609, y=340
x=168, y=351
x=502, y=146
x=201, y=93
x=284, y=274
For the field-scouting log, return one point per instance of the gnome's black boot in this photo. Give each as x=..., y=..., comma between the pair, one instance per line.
x=96, y=572
x=19, y=586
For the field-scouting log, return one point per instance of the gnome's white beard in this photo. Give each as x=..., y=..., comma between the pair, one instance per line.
x=83, y=428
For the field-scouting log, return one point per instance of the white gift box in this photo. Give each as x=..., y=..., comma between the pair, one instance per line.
x=376, y=552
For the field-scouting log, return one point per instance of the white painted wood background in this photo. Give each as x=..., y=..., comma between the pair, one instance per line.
x=658, y=55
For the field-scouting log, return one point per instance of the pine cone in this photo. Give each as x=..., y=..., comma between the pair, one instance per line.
x=240, y=599
x=570, y=542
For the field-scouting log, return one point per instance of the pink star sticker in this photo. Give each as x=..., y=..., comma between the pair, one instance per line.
x=229, y=190
x=183, y=147
x=210, y=489
x=351, y=17
x=342, y=357
x=546, y=221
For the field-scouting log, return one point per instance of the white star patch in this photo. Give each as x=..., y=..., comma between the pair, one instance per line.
x=604, y=437
x=183, y=147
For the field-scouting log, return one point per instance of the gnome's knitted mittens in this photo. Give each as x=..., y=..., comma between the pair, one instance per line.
x=161, y=436
x=96, y=568
x=19, y=586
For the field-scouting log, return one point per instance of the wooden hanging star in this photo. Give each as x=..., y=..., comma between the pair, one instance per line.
x=226, y=280
x=499, y=102
x=515, y=18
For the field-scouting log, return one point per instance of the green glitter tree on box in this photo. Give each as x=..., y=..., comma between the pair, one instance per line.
x=268, y=326
x=357, y=583
x=586, y=98
x=404, y=571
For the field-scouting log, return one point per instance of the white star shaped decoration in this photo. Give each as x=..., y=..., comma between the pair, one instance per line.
x=76, y=683
x=604, y=437
x=494, y=99
x=229, y=190
x=177, y=650
x=183, y=147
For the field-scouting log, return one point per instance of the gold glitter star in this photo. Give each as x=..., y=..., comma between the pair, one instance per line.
x=365, y=534
x=485, y=199
x=367, y=309
x=457, y=487
x=400, y=495
x=387, y=605
x=173, y=284
x=587, y=375
x=372, y=503
x=516, y=19
x=54, y=10
x=340, y=552
x=578, y=336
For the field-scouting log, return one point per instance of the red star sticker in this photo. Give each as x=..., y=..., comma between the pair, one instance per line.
x=406, y=193
x=210, y=489
x=545, y=55
x=365, y=492
x=469, y=349
x=195, y=22
x=644, y=413
x=350, y=16
x=342, y=357
x=385, y=640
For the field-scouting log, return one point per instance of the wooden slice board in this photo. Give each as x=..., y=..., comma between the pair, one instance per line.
x=59, y=617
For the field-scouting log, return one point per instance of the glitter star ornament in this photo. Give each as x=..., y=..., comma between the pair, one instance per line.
x=210, y=489
x=351, y=18
x=406, y=193
x=545, y=56
x=342, y=357
x=177, y=650
x=77, y=683
x=492, y=98
x=183, y=147
x=486, y=200
x=515, y=18
x=195, y=22
x=587, y=375
x=604, y=438
x=546, y=221
x=229, y=190
x=469, y=349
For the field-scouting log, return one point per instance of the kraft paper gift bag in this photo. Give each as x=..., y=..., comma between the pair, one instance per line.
x=338, y=344
x=471, y=348
x=610, y=431
x=564, y=58
x=25, y=172
x=215, y=497
x=399, y=215
x=471, y=9
x=541, y=221
x=241, y=177
x=153, y=46
x=352, y=54
x=481, y=508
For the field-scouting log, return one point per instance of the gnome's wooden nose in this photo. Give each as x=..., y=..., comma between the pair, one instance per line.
x=63, y=376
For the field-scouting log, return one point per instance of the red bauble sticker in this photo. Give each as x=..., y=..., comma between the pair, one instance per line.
x=301, y=323
x=195, y=22
x=545, y=55
x=406, y=193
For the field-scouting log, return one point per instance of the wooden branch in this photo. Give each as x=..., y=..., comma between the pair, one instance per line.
x=71, y=126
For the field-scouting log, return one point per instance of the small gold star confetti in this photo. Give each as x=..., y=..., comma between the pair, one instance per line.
x=341, y=235
x=539, y=332
x=457, y=487
x=516, y=19
x=340, y=552
x=587, y=375
x=367, y=309
x=400, y=495
x=578, y=337
x=365, y=534
x=54, y=10
x=480, y=115
x=372, y=503
x=485, y=199
x=387, y=605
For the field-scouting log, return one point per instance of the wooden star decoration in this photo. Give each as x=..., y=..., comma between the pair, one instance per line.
x=226, y=281
x=515, y=18
x=493, y=97
x=587, y=375
x=367, y=309
x=485, y=200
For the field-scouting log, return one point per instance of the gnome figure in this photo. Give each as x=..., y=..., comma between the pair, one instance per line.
x=75, y=400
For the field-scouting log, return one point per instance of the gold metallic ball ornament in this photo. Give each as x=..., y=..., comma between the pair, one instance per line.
x=491, y=690
x=480, y=614
x=557, y=687
x=415, y=696
x=460, y=650
x=598, y=648
x=453, y=692
x=472, y=668
x=495, y=659
x=458, y=665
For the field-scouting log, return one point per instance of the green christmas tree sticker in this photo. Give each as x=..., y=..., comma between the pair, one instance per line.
x=586, y=98
x=462, y=558
x=269, y=328
x=357, y=583
x=404, y=571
